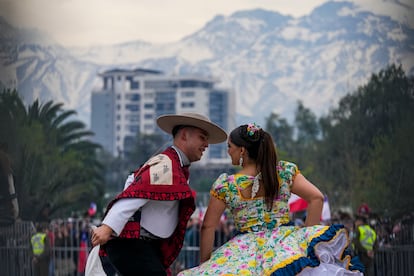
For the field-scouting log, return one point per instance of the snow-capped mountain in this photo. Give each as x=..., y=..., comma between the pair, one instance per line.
x=270, y=60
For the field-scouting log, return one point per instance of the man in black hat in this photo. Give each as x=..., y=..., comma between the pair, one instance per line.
x=143, y=229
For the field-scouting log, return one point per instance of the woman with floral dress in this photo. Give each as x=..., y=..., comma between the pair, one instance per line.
x=257, y=197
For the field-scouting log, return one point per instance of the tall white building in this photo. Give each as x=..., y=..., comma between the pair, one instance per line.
x=130, y=100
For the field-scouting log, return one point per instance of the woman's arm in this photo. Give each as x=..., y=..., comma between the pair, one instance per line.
x=309, y=192
x=214, y=211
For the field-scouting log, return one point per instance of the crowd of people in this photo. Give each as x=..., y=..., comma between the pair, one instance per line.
x=61, y=247
x=246, y=228
x=67, y=256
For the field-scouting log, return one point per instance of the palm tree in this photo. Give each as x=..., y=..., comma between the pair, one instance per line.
x=54, y=161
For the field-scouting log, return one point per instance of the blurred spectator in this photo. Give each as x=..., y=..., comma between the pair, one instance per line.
x=40, y=248
x=64, y=250
x=192, y=240
x=51, y=236
x=84, y=244
x=364, y=210
x=365, y=243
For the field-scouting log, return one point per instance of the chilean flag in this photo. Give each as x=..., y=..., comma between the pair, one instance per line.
x=297, y=204
x=92, y=209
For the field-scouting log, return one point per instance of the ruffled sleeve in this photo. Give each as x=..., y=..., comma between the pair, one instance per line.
x=220, y=187
x=288, y=171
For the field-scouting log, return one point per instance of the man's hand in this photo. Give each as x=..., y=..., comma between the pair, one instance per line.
x=101, y=234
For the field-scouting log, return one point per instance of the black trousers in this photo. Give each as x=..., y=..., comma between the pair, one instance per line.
x=134, y=257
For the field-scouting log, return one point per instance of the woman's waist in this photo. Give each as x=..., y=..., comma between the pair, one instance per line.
x=255, y=226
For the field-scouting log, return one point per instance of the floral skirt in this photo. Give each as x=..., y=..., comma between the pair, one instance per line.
x=286, y=250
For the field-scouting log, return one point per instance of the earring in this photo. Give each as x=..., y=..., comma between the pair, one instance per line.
x=241, y=161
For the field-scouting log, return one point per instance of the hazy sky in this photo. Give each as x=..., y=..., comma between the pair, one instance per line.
x=87, y=22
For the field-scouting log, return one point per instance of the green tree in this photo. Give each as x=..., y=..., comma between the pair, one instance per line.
x=392, y=163
x=307, y=132
x=307, y=126
x=356, y=155
x=116, y=171
x=282, y=134
x=53, y=161
x=146, y=145
x=137, y=152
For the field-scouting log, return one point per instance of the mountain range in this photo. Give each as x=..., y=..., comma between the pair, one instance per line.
x=270, y=60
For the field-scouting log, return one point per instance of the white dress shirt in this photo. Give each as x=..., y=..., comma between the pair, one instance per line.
x=158, y=217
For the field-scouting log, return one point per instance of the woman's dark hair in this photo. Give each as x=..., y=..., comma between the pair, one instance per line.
x=261, y=148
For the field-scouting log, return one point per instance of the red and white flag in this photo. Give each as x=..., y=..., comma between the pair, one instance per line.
x=297, y=204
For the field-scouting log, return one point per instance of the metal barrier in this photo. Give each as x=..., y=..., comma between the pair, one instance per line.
x=68, y=257
x=396, y=260
x=15, y=249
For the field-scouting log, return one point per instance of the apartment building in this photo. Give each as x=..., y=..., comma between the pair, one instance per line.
x=129, y=102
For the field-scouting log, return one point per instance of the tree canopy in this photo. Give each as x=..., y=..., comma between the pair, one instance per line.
x=360, y=151
x=52, y=159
